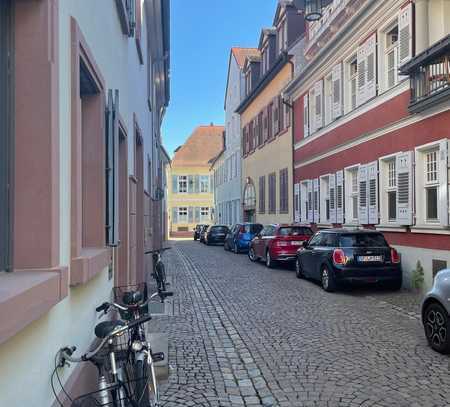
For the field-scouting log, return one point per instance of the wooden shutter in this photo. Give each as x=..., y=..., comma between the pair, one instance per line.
x=196, y=184
x=340, y=197
x=190, y=181
x=361, y=62
x=371, y=67
x=211, y=183
x=312, y=111
x=276, y=115
x=316, y=200
x=112, y=169
x=405, y=27
x=269, y=121
x=266, y=125
x=304, y=202
x=305, y=116
x=197, y=214
x=287, y=114
x=190, y=214
x=443, y=183
x=281, y=119
x=363, y=193
x=297, y=203
x=404, y=170
x=332, y=189
x=310, y=202
x=319, y=104
x=372, y=199
x=336, y=77
x=174, y=216
x=174, y=184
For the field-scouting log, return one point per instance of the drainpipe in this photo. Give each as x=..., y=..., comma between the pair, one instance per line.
x=422, y=25
x=291, y=106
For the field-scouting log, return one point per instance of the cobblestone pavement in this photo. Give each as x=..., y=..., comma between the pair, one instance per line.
x=244, y=335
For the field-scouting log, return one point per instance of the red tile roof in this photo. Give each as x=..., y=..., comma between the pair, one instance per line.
x=242, y=53
x=203, y=145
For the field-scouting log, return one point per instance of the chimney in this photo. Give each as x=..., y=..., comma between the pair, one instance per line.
x=211, y=124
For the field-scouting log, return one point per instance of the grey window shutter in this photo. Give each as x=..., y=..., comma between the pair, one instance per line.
x=174, y=216
x=112, y=169
x=190, y=184
x=197, y=214
x=196, y=184
x=174, y=184
x=211, y=183
x=190, y=215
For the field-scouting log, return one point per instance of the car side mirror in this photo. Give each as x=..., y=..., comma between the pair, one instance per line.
x=305, y=244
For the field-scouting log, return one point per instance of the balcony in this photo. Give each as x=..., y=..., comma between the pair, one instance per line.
x=429, y=73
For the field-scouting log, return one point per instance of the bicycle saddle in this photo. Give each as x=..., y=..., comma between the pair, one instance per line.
x=104, y=329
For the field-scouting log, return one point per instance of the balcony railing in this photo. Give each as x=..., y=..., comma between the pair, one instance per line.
x=430, y=76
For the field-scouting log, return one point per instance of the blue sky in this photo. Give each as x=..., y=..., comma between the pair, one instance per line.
x=202, y=33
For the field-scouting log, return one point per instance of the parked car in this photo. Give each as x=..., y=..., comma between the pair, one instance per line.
x=240, y=235
x=353, y=256
x=278, y=243
x=197, y=231
x=436, y=311
x=202, y=234
x=216, y=234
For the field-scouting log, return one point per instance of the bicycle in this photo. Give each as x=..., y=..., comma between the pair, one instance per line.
x=159, y=271
x=127, y=375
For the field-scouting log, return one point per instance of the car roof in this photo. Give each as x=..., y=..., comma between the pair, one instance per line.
x=350, y=231
x=219, y=226
x=289, y=225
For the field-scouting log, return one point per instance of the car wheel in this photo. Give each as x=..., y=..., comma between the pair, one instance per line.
x=299, y=269
x=327, y=279
x=269, y=262
x=251, y=254
x=436, y=327
x=235, y=248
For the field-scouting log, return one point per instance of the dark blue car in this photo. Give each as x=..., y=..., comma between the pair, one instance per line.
x=240, y=235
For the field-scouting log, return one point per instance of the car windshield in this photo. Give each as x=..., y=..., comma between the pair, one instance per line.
x=295, y=231
x=362, y=240
x=254, y=228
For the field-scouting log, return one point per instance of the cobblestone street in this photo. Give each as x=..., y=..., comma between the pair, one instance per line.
x=242, y=334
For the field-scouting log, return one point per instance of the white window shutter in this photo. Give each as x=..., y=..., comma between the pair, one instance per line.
x=363, y=193
x=310, y=216
x=304, y=202
x=443, y=183
x=361, y=62
x=312, y=110
x=404, y=169
x=319, y=104
x=336, y=91
x=297, y=203
x=305, y=116
x=332, y=184
x=340, y=197
x=316, y=200
x=371, y=67
x=324, y=189
x=372, y=199
x=405, y=34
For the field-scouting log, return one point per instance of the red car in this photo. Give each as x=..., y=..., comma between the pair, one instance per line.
x=278, y=243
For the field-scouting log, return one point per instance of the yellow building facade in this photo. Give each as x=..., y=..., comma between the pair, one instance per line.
x=191, y=188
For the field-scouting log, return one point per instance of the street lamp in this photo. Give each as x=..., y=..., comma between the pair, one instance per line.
x=313, y=9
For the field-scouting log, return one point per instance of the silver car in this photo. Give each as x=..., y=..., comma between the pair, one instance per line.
x=436, y=311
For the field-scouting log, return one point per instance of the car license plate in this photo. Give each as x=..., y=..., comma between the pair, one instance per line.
x=296, y=243
x=370, y=259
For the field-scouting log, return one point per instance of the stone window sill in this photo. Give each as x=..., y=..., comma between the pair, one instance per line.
x=90, y=262
x=28, y=295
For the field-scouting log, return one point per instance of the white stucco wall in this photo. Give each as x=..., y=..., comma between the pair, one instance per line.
x=27, y=359
x=229, y=193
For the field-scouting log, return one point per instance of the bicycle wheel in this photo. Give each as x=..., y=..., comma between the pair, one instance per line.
x=161, y=276
x=145, y=395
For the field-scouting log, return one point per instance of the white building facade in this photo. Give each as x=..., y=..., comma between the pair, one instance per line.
x=227, y=166
x=90, y=86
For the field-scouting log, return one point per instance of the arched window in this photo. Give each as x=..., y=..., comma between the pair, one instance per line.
x=249, y=195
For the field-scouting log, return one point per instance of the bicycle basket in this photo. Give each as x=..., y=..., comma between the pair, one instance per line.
x=119, y=293
x=126, y=393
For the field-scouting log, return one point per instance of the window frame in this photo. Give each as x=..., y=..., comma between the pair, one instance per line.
x=204, y=180
x=385, y=188
x=284, y=190
x=179, y=217
x=348, y=96
x=350, y=173
x=179, y=180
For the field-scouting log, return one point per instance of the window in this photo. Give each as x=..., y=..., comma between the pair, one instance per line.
x=352, y=194
x=284, y=191
x=272, y=192
x=182, y=184
x=431, y=185
x=362, y=240
x=352, y=83
x=5, y=138
x=204, y=214
x=182, y=215
x=265, y=58
x=295, y=231
x=204, y=183
x=391, y=56
x=249, y=195
x=325, y=199
x=282, y=36
x=262, y=194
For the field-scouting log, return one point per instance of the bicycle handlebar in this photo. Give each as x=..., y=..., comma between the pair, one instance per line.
x=67, y=352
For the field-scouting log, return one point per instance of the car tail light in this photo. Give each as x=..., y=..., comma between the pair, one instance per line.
x=395, y=257
x=339, y=257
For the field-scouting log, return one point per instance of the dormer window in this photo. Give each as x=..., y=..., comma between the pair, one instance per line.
x=282, y=36
x=248, y=81
x=265, y=59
